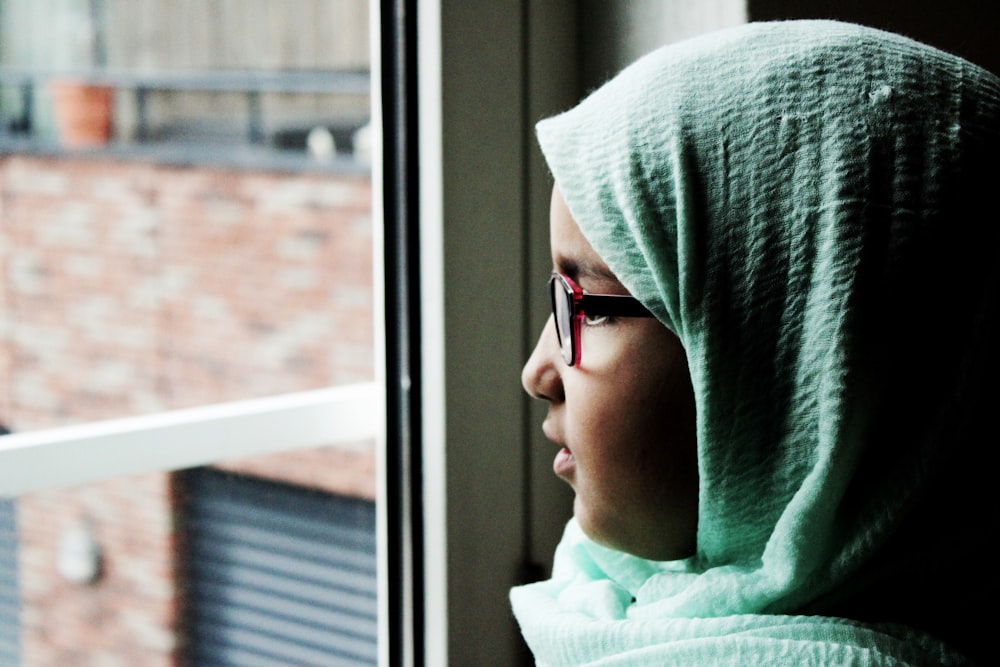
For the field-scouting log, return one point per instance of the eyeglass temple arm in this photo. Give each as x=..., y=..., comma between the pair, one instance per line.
x=613, y=305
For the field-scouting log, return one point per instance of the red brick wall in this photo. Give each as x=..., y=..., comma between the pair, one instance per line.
x=131, y=287
x=128, y=287
x=129, y=615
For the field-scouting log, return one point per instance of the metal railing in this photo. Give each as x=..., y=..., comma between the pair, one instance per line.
x=178, y=439
x=18, y=130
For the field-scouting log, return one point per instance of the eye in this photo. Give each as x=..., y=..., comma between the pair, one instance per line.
x=596, y=320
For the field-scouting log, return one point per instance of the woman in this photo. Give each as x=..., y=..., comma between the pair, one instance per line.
x=780, y=444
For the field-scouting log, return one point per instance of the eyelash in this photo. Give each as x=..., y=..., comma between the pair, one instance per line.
x=598, y=320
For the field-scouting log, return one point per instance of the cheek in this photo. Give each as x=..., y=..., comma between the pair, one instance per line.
x=618, y=433
x=632, y=430
x=593, y=415
x=631, y=410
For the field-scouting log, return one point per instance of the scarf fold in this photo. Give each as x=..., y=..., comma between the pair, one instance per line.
x=584, y=616
x=809, y=206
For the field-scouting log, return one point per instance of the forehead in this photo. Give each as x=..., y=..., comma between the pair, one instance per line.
x=572, y=253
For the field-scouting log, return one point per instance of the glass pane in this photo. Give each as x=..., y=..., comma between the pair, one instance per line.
x=218, y=247
x=213, y=245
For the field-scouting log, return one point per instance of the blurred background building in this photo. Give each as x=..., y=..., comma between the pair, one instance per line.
x=200, y=231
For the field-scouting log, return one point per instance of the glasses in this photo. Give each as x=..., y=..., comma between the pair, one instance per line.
x=571, y=305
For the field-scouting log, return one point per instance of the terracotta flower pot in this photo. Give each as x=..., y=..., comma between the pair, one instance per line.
x=83, y=112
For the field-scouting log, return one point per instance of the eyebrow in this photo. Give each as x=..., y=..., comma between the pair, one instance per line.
x=585, y=270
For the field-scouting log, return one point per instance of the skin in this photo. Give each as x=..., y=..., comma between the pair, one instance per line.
x=624, y=418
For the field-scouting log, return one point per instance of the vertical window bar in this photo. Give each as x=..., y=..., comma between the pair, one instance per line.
x=403, y=509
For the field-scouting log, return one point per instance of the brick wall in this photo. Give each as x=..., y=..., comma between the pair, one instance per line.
x=129, y=615
x=129, y=287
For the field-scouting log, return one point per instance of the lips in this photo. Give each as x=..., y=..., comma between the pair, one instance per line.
x=564, y=463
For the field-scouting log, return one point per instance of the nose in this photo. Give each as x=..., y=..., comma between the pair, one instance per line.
x=541, y=376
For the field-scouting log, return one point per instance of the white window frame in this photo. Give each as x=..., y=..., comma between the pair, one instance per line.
x=493, y=510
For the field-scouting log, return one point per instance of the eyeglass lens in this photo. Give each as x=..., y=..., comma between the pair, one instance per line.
x=563, y=311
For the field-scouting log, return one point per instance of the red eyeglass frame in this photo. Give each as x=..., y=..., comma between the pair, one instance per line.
x=582, y=304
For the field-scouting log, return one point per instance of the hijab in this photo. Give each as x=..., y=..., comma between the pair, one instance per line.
x=808, y=206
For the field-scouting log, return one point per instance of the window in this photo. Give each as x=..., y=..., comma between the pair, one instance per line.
x=486, y=511
x=185, y=294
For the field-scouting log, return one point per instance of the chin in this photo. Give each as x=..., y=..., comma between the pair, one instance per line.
x=615, y=537
x=602, y=531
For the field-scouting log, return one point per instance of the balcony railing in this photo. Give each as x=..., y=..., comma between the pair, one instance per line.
x=18, y=131
x=178, y=439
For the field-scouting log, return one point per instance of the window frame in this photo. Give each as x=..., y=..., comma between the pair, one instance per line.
x=492, y=509
x=477, y=508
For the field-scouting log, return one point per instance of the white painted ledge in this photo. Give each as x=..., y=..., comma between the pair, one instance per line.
x=178, y=439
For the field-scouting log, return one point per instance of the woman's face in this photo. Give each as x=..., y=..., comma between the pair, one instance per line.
x=624, y=417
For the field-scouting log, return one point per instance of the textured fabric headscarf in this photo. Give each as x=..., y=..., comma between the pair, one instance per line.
x=811, y=207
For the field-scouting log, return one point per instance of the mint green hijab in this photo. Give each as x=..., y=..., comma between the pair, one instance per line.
x=810, y=207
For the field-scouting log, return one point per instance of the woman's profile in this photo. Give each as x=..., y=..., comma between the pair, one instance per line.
x=771, y=364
